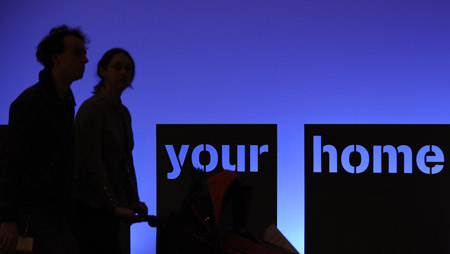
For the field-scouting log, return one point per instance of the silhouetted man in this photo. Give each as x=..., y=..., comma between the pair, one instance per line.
x=36, y=164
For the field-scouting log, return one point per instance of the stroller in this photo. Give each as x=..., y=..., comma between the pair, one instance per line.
x=211, y=219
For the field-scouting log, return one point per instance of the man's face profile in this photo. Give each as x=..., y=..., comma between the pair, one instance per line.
x=72, y=60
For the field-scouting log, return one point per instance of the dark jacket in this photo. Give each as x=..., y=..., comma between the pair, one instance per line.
x=104, y=172
x=36, y=162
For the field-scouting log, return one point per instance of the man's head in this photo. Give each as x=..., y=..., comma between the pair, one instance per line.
x=63, y=50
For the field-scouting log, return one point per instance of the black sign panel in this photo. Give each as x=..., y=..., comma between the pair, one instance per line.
x=3, y=134
x=250, y=150
x=377, y=189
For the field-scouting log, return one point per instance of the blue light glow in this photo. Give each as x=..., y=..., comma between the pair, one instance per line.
x=286, y=62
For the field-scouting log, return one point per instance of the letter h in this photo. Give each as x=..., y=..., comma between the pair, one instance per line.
x=318, y=150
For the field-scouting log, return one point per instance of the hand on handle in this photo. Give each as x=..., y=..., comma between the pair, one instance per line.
x=8, y=237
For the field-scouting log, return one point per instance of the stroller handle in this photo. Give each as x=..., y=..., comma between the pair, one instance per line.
x=151, y=220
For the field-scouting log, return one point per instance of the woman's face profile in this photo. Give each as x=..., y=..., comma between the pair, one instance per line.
x=118, y=73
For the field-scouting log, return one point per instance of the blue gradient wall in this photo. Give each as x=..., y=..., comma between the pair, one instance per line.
x=287, y=62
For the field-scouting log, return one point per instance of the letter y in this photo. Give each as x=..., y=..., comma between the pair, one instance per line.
x=176, y=160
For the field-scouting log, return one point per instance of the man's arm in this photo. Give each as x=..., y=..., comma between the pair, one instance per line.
x=12, y=157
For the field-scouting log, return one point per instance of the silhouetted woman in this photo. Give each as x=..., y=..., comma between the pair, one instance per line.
x=105, y=187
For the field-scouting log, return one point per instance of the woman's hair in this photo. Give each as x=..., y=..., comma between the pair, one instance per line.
x=106, y=60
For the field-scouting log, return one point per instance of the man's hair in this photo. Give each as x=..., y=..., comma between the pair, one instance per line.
x=53, y=43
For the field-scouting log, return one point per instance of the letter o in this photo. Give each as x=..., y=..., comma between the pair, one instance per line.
x=196, y=157
x=345, y=159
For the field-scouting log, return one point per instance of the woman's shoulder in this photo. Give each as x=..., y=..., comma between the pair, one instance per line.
x=95, y=100
x=93, y=105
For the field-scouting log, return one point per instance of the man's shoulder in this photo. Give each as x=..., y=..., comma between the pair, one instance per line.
x=32, y=95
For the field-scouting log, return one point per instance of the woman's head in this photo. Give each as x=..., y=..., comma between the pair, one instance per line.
x=116, y=70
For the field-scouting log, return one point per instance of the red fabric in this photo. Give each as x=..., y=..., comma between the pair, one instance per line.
x=218, y=185
x=234, y=243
